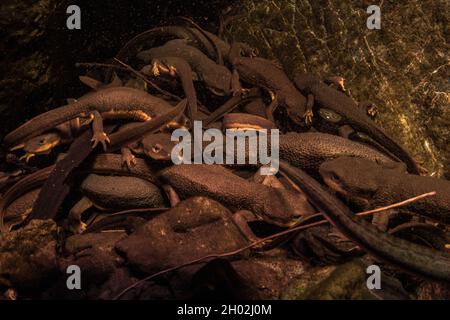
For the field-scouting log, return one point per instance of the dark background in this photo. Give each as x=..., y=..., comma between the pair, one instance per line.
x=38, y=53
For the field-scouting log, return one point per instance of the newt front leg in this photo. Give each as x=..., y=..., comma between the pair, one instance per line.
x=99, y=135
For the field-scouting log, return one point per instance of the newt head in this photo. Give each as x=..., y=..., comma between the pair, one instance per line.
x=42, y=144
x=158, y=146
x=284, y=208
x=353, y=178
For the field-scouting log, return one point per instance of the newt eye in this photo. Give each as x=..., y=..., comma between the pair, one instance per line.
x=157, y=148
x=329, y=115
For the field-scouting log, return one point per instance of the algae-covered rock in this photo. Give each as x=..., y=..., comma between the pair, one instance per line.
x=28, y=256
x=269, y=274
x=346, y=281
x=403, y=67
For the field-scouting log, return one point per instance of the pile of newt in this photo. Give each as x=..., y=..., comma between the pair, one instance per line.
x=112, y=171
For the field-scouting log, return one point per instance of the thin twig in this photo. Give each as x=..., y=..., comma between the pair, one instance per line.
x=262, y=240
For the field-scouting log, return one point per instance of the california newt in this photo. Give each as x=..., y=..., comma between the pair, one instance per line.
x=367, y=185
x=175, y=66
x=329, y=98
x=278, y=206
x=217, y=78
x=267, y=74
x=411, y=257
x=113, y=192
x=310, y=149
x=117, y=102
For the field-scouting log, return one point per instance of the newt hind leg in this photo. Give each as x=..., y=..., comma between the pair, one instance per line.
x=309, y=109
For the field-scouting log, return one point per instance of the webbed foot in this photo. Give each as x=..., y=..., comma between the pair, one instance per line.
x=100, y=137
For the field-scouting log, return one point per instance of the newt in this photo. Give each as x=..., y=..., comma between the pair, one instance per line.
x=152, y=145
x=217, y=78
x=277, y=206
x=191, y=35
x=304, y=150
x=406, y=255
x=116, y=102
x=101, y=164
x=368, y=185
x=310, y=149
x=329, y=98
x=267, y=74
x=56, y=188
x=175, y=66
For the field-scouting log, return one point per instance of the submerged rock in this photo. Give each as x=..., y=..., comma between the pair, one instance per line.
x=194, y=228
x=28, y=256
x=346, y=281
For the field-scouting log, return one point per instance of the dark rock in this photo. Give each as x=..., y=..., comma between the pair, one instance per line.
x=194, y=228
x=28, y=256
x=270, y=273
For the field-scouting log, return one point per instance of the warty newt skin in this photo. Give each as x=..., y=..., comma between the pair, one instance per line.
x=278, y=206
x=310, y=149
x=330, y=98
x=304, y=150
x=368, y=185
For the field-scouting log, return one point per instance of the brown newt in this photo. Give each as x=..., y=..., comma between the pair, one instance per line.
x=266, y=74
x=101, y=164
x=116, y=102
x=368, y=185
x=175, y=66
x=217, y=78
x=329, y=98
x=278, y=206
x=310, y=149
x=406, y=255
